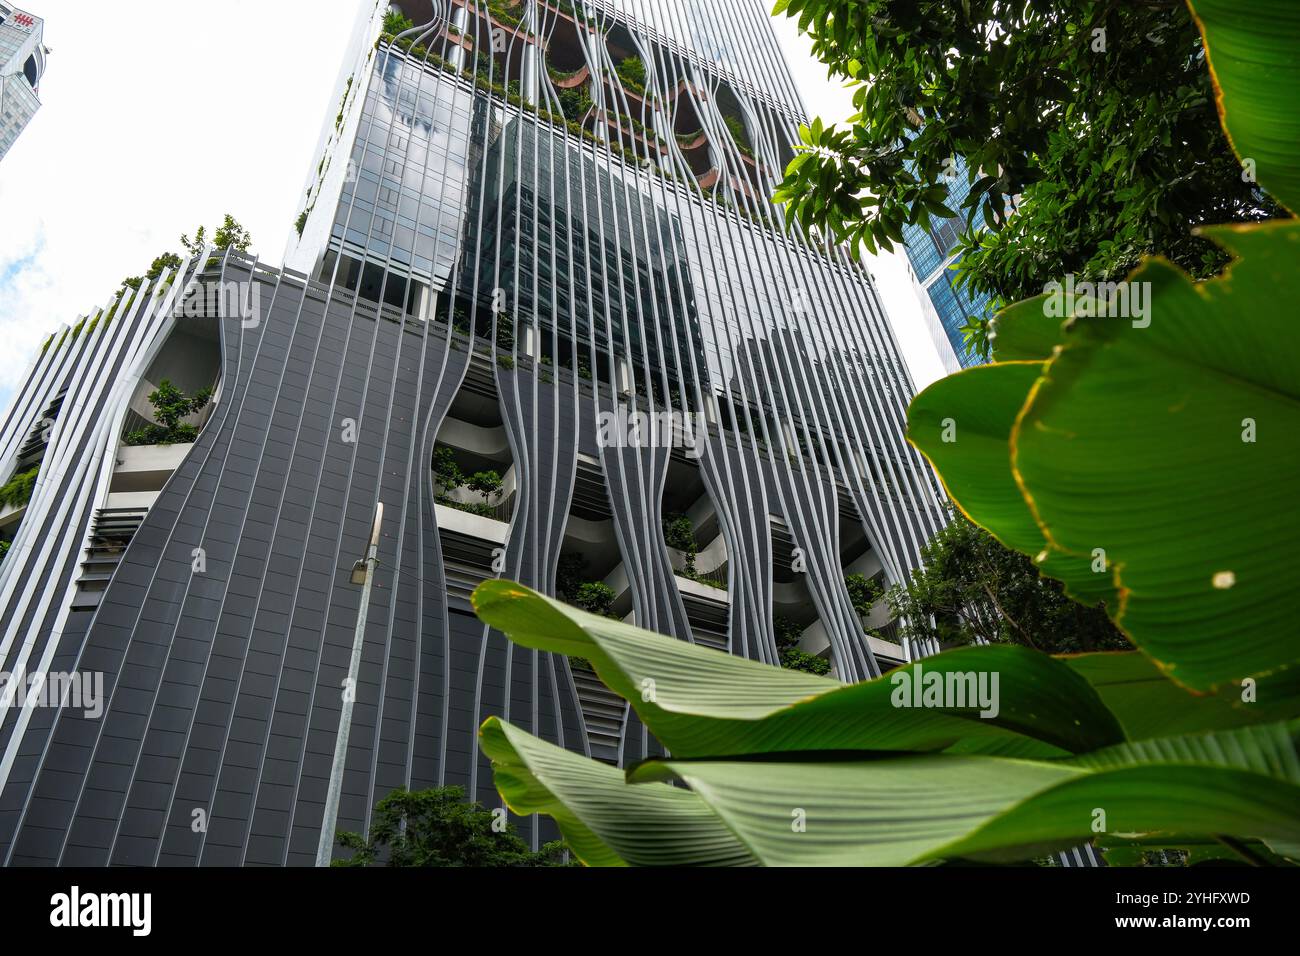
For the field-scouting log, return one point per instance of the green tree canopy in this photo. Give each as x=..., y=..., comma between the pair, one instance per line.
x=971, y=587
x=229, y=235
x=1097, y=117
x=486, y=483
x=438, y=828
x=171, y=405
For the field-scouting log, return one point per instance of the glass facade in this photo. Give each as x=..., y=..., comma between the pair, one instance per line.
x=584, y=185
x=930, y=251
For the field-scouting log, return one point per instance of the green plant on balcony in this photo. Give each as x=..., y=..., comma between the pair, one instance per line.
x=679, y=534
x=501, y=12
x=596, y=597
x=170, y=405
x=632, y=72
x=788, y=633
x=863, y=592
x=446, y=471
x=396, y=22
x=563, y=76
x=737, y=130
x=575, y=102
x=486, y=483
x=17, y=491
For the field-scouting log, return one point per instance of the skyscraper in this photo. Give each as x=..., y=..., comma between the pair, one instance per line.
x=930, y=252
x=538, y=307
x=22, y=64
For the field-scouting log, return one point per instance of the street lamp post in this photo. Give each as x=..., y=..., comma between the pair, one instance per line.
x=363, y=573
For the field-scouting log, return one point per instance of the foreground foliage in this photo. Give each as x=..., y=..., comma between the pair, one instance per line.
x=1097, y=117
x=848, y=777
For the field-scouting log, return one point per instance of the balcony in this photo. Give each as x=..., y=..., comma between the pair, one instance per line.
x=146, y=467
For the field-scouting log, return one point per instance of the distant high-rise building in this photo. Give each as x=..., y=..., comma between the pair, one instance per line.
x=931, y=254
x=539, y=307
x=22, y=64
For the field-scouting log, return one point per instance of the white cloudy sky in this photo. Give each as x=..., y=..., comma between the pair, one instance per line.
x=160, y=115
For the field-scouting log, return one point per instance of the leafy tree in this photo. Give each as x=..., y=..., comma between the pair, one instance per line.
x=1097, y=118
x=17, y=491
x=486, y=483
x=446, y=471
x=437, y=827
x=679, y=533
x=595, y=597
x=196, y=245
x=788, y=633
x=168, y=260
x=4, y=551
x=230, y=234
x=863, y=592
x=969, y=586
x=170, y=405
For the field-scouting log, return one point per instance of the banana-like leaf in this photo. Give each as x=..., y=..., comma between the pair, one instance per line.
x=606, y=821
x=1171, y=448
x=914, y=809
x=702, y=702
x=1024, y=332
x=1148, y=704
x=1253, y=50
x=963, y=424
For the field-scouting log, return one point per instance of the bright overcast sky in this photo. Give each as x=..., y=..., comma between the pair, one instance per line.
x=161, y=115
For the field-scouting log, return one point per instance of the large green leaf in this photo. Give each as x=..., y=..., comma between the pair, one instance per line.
x=606, y=821
x=963, y=424
x=889, y=812
x=1147, y=704
x=702, y=702
x=913, y=809
x=1253, y=50
x=1132, y=442
x=1025, y=332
